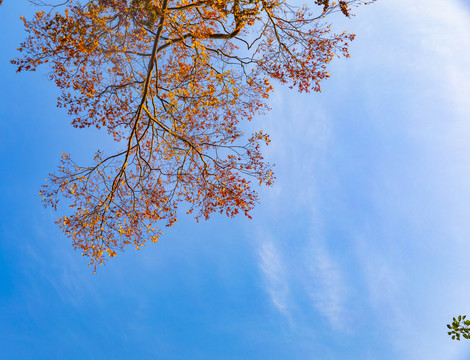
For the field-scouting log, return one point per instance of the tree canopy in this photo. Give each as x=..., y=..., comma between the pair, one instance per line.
x=171, y=80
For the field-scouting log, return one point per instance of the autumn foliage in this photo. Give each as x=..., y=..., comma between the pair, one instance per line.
x=171, y=80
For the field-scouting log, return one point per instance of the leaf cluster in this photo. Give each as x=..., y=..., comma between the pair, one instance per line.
x=459, y=327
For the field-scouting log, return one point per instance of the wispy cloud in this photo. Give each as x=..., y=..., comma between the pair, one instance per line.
x=324, y=282
x=400, y=186
x=302, y=277
x=274, y=271
x=315, y=274
x=420, y=194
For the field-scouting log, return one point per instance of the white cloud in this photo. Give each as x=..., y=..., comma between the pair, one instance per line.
x=413, y=253
x=299, y=150
x=274, y=272
x=407, y=219
x=324, y=282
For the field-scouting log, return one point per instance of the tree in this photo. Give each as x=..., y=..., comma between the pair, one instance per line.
x=171, y=80
x=459, y=327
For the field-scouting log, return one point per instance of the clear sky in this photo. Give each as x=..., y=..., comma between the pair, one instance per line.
x=361, y=250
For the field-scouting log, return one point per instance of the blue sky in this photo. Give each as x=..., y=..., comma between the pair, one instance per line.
x=360, y=250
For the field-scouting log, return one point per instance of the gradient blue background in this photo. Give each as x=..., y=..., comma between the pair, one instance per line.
x=360, y=250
